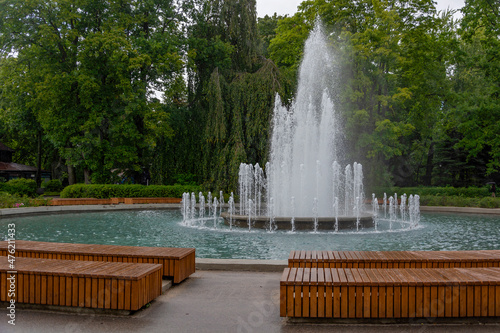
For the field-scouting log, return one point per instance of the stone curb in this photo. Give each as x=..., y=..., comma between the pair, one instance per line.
x=42, y=210
x=12, y=212
x=253, y=265
x=462, y=210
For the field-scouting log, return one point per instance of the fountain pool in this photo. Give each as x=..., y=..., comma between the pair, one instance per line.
x=165, y=228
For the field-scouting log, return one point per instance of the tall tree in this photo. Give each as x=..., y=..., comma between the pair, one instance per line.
x=393, y=65
x=98, y=64
x=232, y=89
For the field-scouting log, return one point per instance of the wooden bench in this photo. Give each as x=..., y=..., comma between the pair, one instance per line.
x=177, y=263
x=394, y=259
x=90, y=284
x=390, y=293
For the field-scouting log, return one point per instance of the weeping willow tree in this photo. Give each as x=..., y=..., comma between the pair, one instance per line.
x=232, y=91
x=238, y=118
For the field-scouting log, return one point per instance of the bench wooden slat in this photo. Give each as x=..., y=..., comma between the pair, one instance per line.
x=395, y=259
x=393, y=292
x=178, y=263
x=83, y=284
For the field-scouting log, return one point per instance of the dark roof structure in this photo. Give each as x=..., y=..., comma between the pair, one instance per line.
x=5, y=148
x=5, y=166
x=9, y=169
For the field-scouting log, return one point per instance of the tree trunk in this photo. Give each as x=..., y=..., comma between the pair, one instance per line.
x=429, y=165
x=86, y=175
x=38, y=177
x=71, y=175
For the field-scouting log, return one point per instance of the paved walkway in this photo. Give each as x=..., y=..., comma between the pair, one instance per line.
x=219, y=301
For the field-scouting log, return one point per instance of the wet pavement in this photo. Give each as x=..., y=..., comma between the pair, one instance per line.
x=221, y=301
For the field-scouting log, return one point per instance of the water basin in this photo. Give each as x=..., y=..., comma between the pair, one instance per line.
x=436, y=231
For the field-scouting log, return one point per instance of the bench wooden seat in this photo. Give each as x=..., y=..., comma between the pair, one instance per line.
x=390, y=293
x=394, y=259
x=177, y=263
x=89, y=284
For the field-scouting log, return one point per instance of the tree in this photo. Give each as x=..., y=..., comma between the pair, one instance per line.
x=478, y=75
x=393, y=64
x=98, y=64
x=23, y=132
x=232, y=90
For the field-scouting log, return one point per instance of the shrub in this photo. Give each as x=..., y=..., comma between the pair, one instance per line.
x=458, y=201
x=104, y=191
x=489, y=202
x=20, y=187
x=53, y=185
x=8, y=200
x=467, y=192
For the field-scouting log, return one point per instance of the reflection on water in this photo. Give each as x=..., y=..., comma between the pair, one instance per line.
x=163, y=228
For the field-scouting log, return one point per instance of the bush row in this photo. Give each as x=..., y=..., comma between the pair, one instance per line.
x=466, y=192
x=53, y=185
x=459, y=201
x=20, y=187
x=105, y=191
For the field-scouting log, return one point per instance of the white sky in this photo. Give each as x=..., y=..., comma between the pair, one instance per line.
x=282, y=7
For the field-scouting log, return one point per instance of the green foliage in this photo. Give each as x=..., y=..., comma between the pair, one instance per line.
x=185, y=179
x=459, y=201
x=104, y=191
x=53, y=185
x=20, y=187
x=463, y=192
x=232, y=93
x=8, y=200
x=267, y=31
x=84, y=74
x=79, y=86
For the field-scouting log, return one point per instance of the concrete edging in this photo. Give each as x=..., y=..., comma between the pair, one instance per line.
x=462, y=210
x=42, y=210
x=254, y=265
x=12, y=212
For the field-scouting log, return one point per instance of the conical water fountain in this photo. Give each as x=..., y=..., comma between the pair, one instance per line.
x=303, y=166
x=304, y=186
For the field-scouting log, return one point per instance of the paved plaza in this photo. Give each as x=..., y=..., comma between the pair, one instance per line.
x=221, y=301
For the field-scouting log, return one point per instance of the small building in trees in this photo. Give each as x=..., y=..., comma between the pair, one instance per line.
x=10, y=170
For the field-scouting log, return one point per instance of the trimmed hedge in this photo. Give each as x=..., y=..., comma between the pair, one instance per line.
x=20, y=187
x=465, y=192
x=457, y=201
x=53, y=185
x=106, y=191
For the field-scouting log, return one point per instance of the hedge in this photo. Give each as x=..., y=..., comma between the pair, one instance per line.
x=465, y=192
x=457, y=201
x=53, y=185
x=105, y=191
x=21, y=187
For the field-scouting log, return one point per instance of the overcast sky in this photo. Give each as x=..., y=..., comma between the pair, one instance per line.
x=282, y=7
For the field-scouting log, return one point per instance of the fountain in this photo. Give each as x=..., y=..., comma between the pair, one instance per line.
x=304, y=186
x=303, y=167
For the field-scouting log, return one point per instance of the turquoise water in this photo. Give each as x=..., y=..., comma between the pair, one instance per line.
x=165, y=228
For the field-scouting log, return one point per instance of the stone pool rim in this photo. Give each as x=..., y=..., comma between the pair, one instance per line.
x=255, y=265
x=46, y=210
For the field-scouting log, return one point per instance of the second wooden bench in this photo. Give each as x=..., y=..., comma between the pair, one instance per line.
x=394, y=259
x=390, y=293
